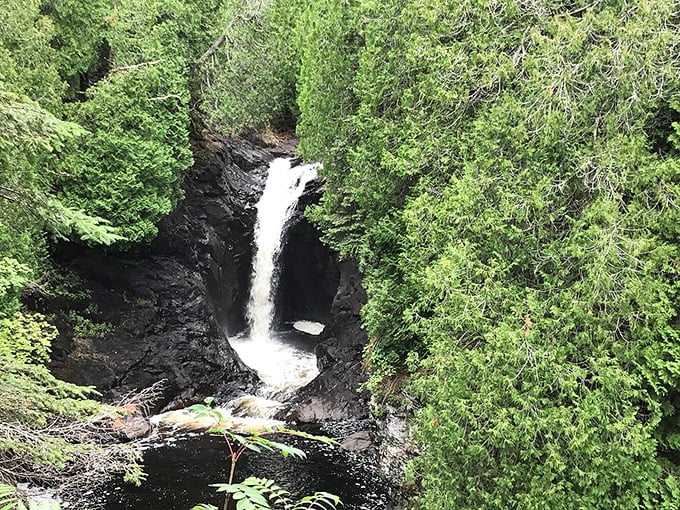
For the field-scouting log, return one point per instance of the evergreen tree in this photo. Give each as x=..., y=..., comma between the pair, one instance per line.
x=509, y=181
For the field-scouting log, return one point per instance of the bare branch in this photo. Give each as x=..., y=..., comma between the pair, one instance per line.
x=169, y=96
x=255, y=10
x=216, y=45
x=135, y=66
x=91, y=449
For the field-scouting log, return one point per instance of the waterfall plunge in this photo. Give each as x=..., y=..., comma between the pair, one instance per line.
x=281, y=365
x=284, y=186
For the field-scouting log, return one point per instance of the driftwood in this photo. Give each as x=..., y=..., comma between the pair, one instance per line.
x=92, y=451
x=135, y=66
x=95, y=457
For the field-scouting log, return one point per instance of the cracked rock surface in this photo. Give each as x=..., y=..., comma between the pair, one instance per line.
x=170, y=305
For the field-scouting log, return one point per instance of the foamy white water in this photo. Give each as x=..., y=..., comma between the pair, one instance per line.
x=282, y=365
x=284, y=186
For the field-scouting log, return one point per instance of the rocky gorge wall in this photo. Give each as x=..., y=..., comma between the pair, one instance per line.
x=170, y=306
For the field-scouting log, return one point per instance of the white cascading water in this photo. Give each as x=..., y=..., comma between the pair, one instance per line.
x=282, y=366
x=284, y=186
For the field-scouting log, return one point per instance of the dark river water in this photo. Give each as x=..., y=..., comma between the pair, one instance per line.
x=181, y=470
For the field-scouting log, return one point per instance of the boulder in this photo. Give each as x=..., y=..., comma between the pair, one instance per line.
x=360, y=441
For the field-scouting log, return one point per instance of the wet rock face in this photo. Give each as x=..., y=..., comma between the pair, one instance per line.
x=309, y=271
x=214, y=224
x=170, y=305
x=334, y=395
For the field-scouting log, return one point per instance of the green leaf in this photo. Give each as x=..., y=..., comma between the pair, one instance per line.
x=319, y=501
x=248, y=495
x=8, y=498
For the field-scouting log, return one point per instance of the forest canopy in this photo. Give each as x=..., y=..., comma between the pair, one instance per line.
x=94, y=136
x=507, y=175
x=506, y=172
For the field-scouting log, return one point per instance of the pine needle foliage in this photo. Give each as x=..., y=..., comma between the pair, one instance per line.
x=507, y=174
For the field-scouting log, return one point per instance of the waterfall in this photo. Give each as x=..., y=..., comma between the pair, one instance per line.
x=282, y=360
x=282, y=190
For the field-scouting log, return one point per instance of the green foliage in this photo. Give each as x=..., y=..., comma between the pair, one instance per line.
x=133, y=59
x=8, y=498
x=78, y=37
x=263, y=494
x=120, y=74
x=328, y=46
x=22, y=383
x=66, y=222
x=507, y=174
x=249, y=79
x=27, y=54
x=13, y=276
x=28, y=137
x=66, y=284
x=128, y=169
x=26, y=338
x=83, y=327
x=29, y=130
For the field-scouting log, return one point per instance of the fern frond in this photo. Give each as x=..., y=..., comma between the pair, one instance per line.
x=318, y=501
x=278, y=496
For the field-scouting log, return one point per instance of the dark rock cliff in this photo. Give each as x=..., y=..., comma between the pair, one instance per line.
x=335, y=394
x=171, y=305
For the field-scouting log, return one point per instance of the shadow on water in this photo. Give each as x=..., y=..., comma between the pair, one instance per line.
x=181, y=470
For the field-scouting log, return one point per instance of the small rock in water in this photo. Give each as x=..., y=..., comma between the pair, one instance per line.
x=257, y=407
x=309, y=327
x=135, y=427
x=358, y=442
